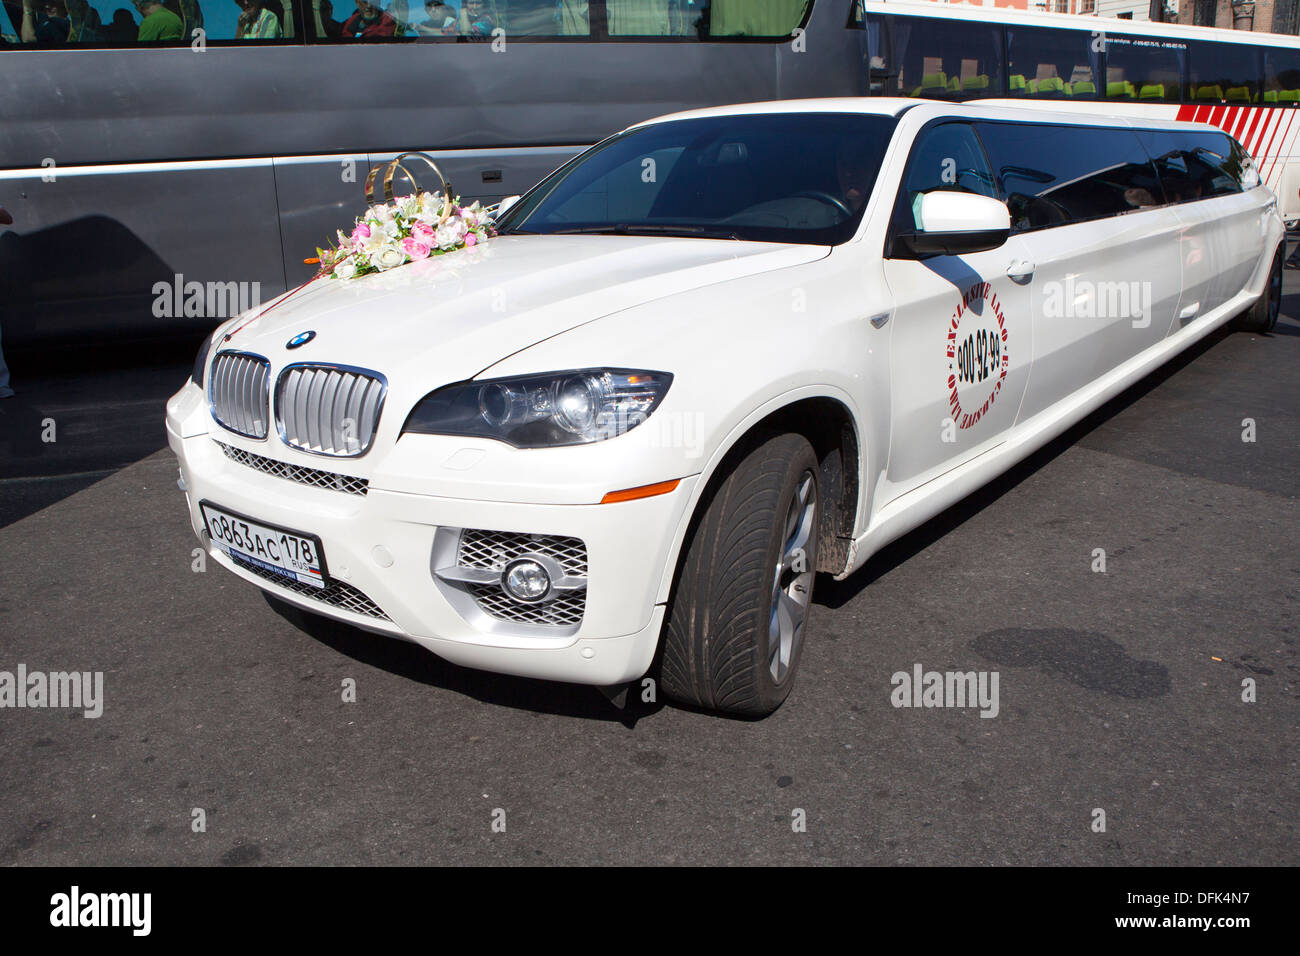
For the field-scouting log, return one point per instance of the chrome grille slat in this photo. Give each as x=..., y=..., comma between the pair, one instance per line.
x=314, y=477
x=492, y=550
x=239, y=396
x=330, y=410
x=335, y=594
x=565, y=611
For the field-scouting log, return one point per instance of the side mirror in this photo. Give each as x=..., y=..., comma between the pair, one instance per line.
x=505, y=204
x=955, y=224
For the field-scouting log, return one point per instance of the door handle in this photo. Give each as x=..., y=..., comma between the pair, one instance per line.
x=1020, y=271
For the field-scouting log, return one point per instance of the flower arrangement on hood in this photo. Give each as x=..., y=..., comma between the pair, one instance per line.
x=408, y=229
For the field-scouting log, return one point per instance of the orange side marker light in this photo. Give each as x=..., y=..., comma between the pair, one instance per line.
x=642, y=491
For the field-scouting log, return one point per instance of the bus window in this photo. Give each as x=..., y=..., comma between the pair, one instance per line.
x=134, y=22
x=1052, y=64
x=706, y=19
x=1223, y=73
x=52, y=23
x=447, y=19
x=1144, y=69
x=1281, y=76
x=941, y=59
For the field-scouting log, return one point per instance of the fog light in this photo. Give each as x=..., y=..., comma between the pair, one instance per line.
x=526, y=580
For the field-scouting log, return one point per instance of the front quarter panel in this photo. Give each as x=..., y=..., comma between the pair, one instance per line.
x=739, y=351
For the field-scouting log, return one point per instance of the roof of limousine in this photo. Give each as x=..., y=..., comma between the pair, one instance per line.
x=1089, y=114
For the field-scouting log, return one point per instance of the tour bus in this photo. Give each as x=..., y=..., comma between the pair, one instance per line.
x=631, y=427
x=158, y=185
x=1248, y=84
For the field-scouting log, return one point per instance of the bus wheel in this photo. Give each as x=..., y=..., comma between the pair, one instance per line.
x=1262, y=316
x=736, y=622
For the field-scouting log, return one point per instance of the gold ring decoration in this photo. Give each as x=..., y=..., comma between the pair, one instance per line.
x=390, y=170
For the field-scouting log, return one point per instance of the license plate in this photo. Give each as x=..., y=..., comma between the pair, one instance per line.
x=290, y=554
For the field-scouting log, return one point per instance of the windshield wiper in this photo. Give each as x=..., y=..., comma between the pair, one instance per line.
x=625, y=229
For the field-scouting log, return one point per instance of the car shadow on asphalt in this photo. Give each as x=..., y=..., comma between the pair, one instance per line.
x=412, y=662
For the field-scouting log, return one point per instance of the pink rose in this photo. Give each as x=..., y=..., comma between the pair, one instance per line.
x=359, y=236
x=470, y=239
x=416, y=249
x=422, y=232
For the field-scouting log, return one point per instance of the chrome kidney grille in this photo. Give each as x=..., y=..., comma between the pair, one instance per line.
x=238, y=392
x=329, y=409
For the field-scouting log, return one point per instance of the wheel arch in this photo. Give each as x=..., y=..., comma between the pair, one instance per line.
x=826, y=417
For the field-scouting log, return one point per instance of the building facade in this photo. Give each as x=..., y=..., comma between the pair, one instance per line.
x=1264, y=16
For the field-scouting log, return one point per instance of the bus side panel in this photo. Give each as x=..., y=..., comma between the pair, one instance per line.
x=164, y=249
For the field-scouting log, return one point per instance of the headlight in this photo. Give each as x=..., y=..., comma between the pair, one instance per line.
x=537, y=411
x=201, y=361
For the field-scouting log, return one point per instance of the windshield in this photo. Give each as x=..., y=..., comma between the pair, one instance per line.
x=771, y=177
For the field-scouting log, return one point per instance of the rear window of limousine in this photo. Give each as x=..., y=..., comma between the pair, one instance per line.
x=1054, y=174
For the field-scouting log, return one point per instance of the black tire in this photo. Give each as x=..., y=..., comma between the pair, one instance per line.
x=1262, y=316
x=717, y=651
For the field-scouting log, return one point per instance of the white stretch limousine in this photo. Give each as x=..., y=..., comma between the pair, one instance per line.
x=712, y=355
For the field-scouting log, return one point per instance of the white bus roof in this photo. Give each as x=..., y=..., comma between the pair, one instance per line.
x=948, y=11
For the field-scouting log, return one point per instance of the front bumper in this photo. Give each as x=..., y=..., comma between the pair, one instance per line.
x=381, y=544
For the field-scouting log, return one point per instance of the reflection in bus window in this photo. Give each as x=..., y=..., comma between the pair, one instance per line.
x=157, y=23
x=441, y=19
x=1223, y=73
x=450, y=19
x=1141, y=68
x=706, y=19
x=45, y=22
x=368, y=22
x=940, y=59
x=1281, y=77
x=1051, y=64
x=256, y=21
x=130, y=22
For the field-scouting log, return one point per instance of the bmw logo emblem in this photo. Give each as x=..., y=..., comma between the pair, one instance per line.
x=301, y=339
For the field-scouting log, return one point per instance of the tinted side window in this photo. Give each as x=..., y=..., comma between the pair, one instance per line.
x=392, y=20
x=1223, y=73
x=1195, y=165
x=941, y=59
x=1145, y=69
x=948, y=156
x=1055, y=175
x=1281, y=76
x=71, y=23
x=1051, y=64
x=705, y=19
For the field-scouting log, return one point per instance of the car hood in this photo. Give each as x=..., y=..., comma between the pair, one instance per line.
x=447, y=318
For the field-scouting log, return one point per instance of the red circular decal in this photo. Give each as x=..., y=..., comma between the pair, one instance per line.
x=977, y=355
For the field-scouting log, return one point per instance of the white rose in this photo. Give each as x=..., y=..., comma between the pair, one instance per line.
x=388, y=258
x=346, y=269
x=451, y=234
